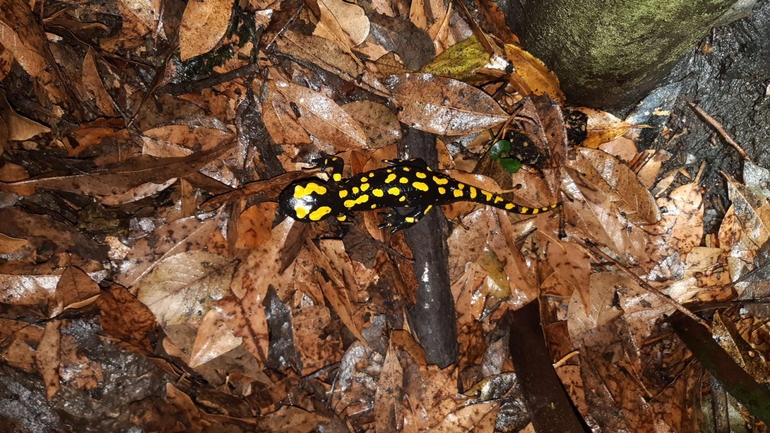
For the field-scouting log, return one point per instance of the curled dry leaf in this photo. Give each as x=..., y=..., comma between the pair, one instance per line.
x=442, y=105
x=320, y=116
x=606, y=173
x=531, y=76
x=204, y=23
x=213, y=339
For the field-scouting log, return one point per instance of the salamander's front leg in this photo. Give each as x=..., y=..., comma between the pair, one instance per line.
x=398, y=222
x=334, y=163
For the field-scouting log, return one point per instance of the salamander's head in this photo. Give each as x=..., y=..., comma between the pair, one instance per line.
x=306, y=200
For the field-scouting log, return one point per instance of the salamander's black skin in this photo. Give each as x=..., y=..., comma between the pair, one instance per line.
x=409, y=183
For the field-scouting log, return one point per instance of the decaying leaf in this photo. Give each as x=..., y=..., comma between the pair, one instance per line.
x=531, y=76
x=320, y=116
x=443, y=106
x=608, y=174
x=203, y=25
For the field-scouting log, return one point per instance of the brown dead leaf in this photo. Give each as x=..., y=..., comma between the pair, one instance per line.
x=531, y=76
x=93, y=84
x=290, y=419
x=19, y=340
x=125, y=318
x=204, y=24
x=476, y=417
x=76, y=369
x=243, y=310
x=182, y=288
x=185, y=234
x=213, y=339
x=121, y=178
x=752, y=210
x=388, y=409
x=616, y=181
x=22, y=284
x=378, y=122
x=10, y=244
x=344, y=23
x=321, y=116
x=602, y=127
x=442, y=105
x=254, y=225
x=21, y=35
x=328, y=55
x=572, y=265
x=47, y=358
x=74, y=290
x=21, y=128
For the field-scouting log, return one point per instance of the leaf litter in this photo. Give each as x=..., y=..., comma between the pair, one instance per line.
x=139, y=206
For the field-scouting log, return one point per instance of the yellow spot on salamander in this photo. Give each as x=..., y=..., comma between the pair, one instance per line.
x=364, y=179
x=499, y=199
x=394, y=191
x=509, y=206
x=487, y=195
x=374, y=205
x=420, y=185
x=406, y=169
x=342, y=217
x=312, y=187
x=461, y=185
x=535, y=211
x=473, y=193
x=403, y=198
x=421, y=175
x=403, y=180
x=356, y=190
x=524, y=210
x=301, y=211
x=337, y=177
x=377, y=192
x=440, y=180
x=410, y=220
x=320, y=213
x=371, y=174
x=458, y=193
x=441, y=190
x=360, y=200
x=427, y=209
x=343, y=193
x=391, y=177
x=364, y=186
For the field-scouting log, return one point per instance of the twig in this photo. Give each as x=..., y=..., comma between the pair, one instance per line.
x=725, y=136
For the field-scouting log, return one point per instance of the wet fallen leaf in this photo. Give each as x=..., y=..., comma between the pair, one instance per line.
x=203, y=25
x=531, y=76
x=442, y=105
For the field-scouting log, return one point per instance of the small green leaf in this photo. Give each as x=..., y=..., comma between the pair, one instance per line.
x=499, y=149
x=511, y=165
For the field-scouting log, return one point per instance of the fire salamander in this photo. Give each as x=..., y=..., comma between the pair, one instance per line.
x=406, y=183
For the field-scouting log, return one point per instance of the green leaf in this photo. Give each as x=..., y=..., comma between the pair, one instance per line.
x=502, y=147
x=511, y=165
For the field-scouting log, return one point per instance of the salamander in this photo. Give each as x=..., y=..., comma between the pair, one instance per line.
x=404, y=183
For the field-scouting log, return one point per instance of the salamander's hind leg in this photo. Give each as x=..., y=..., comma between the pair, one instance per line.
x=334, y=163
x=397, y=222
